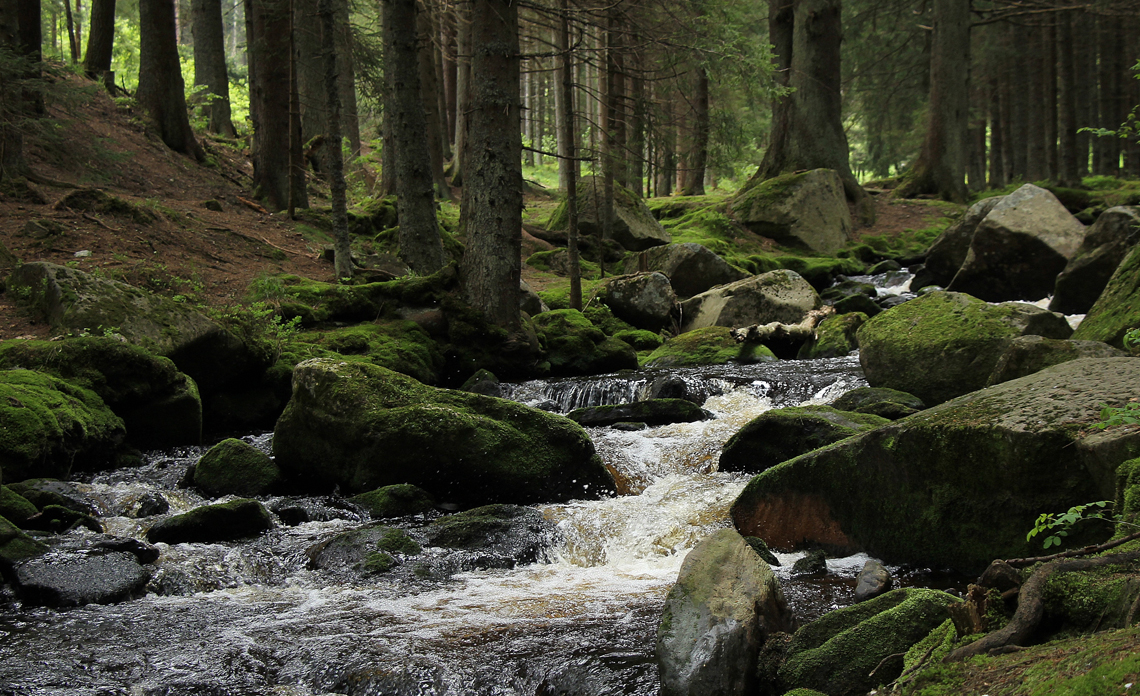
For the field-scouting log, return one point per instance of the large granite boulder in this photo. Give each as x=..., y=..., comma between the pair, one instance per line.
x=806, y=209
x=159, y=405
x=1117, y=310
x=783, y=433
x=781, y=296
x=1028, y=354
x=724, y=606
x=959, y=484
x=72, y=301
x=691, y=268
x=945, y=344
x=880, y=401
x=1104, y=246
x=946, y=254
x=635, y=228
x=643, y=300
x=837, y=653
x=574, y=346
x=359, y=427
x=49, y=427
x=1019, y=248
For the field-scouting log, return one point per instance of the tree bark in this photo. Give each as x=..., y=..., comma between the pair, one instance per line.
x=267, y=26
x=941, y=165
x=420, y=244
x=429, y=93
x=210, y=64
x=1037, y=164
x=1017, y=89
x=1108, y=83
x=566, y=139
x=342, y=258
x=72, y=40
x=100, y=38
x=462, y=88
x=1067, y=170
x=1084, y=93
x=161, y=92
x=311, y=76
x=450, y=67
x=492, y=195
x=696, y=158
x=636, y=135
x=997, y=138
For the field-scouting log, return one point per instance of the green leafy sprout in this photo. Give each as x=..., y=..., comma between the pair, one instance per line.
x=1060, y=524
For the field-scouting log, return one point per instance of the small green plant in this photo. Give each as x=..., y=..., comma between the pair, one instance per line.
x=260, y=323
x=1060, y=525
x=1128, y=414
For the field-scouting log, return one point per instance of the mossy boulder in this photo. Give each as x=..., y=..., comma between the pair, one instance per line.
x=713, y=345
x=821, y=271
x=397, y=500
x=234, y=467
x=639, y=339
x=574, y=346
x=634, y=226
x=725, y=604
x=880, y=401
x=642, y=300
x=361, y=427
x=1089, y=601
x=16, y=546
x=49, y=427
x=399, y=345
x=15, y=507
x=368, y=550
x=783, y=433
x=690, y=267
x=835, y=336
x=945, y=344
x=1127, y=499
x=1117, y=310
x=959, y=484
x=500, y=536
x=781, y=296
x=650, y=412
x=1104, y=246
x=837, y=653
x=1028, y=354
x=804, y=209
x=236, y=519
x=47, y=492
x=72, y=301
x=159, y=405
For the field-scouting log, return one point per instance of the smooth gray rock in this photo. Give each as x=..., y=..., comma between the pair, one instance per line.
x=872, y=581
x=691, y=268
x=1028, y=354
x=781, y=296
x=70, y=578
x=643, y=300
x=805, y=209
x=949, y=250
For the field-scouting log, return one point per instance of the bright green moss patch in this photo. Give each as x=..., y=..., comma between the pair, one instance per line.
x=236, y=467
x=398, y=541
x=1117, y=310
x=713, y=345
x=15, y=545
x=14, y=506
x=399, y=345
x=397, y=500
x=640, y=339
x=574, y=346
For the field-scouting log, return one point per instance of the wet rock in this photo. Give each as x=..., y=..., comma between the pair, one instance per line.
x=762, y=550
x=16, y=546
x=1028, y=354
x=1000, y=576
x=1104, y=246
x=151, y=504
x=643, y=300
x=45, y=492
x=834, y=337
x=847, y=288
x=494, y=536
x=59, y=519
x=374, y=549
x=873, y=580
x=574, y=346
x=651, y=412
x=398, y=500
x=783, y=433
x=529, y=301
x=69, y=578
x=1019, y=248
x=777, y=296
x=691, y=268
x=945, y=344
x=885, y=266
x=1117, y=310
x=1013, y=451
x=815, y=563
x=483, y=382
x=361, y=427
x=857, y=304
x=236, y=519
x=725, y=603
x=838, y=653
x=673, y=386
x=234, y=467
x=807, y=209
x=949, y=250
x=888, y=403
x=15, y=507
x=629, y=427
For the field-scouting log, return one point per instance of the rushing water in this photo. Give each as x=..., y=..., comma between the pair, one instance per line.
x=251, y=617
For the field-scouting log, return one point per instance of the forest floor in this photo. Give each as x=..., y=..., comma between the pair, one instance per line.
x=207, y=256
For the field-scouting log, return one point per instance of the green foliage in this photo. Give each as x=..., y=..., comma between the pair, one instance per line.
x=1060, y=524
x=260, y=324
x=1128, y=414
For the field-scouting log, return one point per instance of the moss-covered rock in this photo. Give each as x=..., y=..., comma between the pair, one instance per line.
x=234, y=467
x=888, y=403
x=1127, y=501
x=15, y=507
x=958, y=484
x=1089, y=601
x=1028, y=354
x=397, y=500
x=650, y=412
x=49, y=427
x=1117, y=310
x=501, y=535
x=691, y=268
x=372, y=549
x=834, y=337
x=725, y=603
x=643, y=300
x=709, y=346
x=805, y=209
x=821, y=271
x=16, y=546
x=781, y=296
x=574, y=346
x=783, y=433
x=634, y=227
x=159, y=405
x=235, y=519
x=45, y=492
x=59, y=519
x=1102, y=249
x=399, y=345
x=945, y=344
x=639, y=339
x=361, y=426
x=837, y=653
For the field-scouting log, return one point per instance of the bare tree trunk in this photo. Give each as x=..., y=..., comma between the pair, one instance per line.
x=492, y=195
x=610, y=130
x=1067, y=172
x=462, y=87
x=72, y=40
x=997, y=138
x=450, y=67
x=420, y=244
x=267, y=27
x=1084, y=93
x=636, y=136
x=100, y=38
x=429, y=95
x=298, y=196
x=566, y=138
x=346, y=77
x=1018, y=90
x=210, y=64
x=343, y=253
x=1108, y=79
x=161, y=92
x=696, y=159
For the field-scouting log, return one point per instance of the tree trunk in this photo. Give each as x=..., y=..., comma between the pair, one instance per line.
x=72, y=40
x=1084, y=55
x=1036, y=163
x=1049, y=39
x=420, y=244
x=941, y=165
x=311, y=76
x=696, y=158
x=298, y=196
x=429, y=93
x=346, y=77
x=492, y=196
x=100, y=38
x=161, y=92
x=343, y=253
x=267, y=26
x=636, y=134
x=210, y=64
x=1067, y=171
x=997, y=138
x=450, y=68
x=462, y=88
x=566, y=138
x=1017, y=92
x=1108, y=79
x=563, y=103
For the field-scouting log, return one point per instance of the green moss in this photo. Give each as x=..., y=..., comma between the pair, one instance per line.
x=640, y=339
x=558, y=296
x=398, y=541
x=1117, y=310
x=397, y=500
x=59, y=519
x=1079, y=603
x=821, y=271
x=471, y=528
x=236, y=467
x=378, y=562
x=713, y=345
x=15, y=545
x=603, y=318
x=835, y=337
x=14, y=506
x=399, y=345
x=575, y=346
x=235, y=519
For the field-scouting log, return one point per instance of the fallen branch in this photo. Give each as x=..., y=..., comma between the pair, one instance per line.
x=1086, y=551
x=256, y=207
x=1031, y=606
x=96, y=220
x=803, y=331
